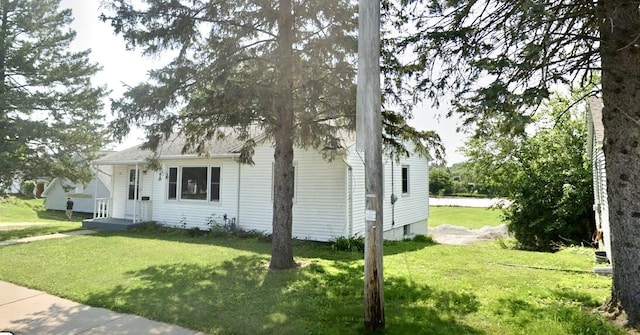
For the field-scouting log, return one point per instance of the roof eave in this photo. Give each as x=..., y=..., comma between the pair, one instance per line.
x=167, y=157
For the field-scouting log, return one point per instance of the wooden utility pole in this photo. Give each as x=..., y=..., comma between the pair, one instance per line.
x=369, y=139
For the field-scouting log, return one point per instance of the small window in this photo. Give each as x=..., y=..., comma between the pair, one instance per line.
x=406, y=230
x=405, y=180
x=194, y=183
x=79, y=188
x=215, y=184
x=134, y=185
x=173, y=184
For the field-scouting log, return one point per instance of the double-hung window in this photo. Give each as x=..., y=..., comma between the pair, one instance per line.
x=194, y=183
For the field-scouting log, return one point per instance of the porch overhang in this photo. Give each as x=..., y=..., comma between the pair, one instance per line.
x=166, y=157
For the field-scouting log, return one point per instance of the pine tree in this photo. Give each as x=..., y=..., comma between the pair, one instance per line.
x=287, y=67
x=49, y=111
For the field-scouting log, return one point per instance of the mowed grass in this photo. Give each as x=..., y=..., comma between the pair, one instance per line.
x=222, y=285
x=15, y=210
x=470, y=217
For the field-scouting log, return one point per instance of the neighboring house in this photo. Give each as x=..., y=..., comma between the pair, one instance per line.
x=83, y=195
x=191, y=190
x=596, y=154
x=16, y=185
x=13, y=188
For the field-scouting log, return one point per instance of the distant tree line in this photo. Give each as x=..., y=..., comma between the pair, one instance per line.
x=458, y=179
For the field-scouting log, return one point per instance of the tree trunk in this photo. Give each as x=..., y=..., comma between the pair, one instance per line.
x=620, y=51
x=283, y=174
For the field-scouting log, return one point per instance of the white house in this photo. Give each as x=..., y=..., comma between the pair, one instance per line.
x=596, y=154
x=83, y=195
x=329, y=201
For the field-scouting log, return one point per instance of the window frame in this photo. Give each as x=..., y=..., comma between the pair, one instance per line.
x=136, y=185
x=405, y=180
x=196, y=173
x=177, y=184
x=211, y=183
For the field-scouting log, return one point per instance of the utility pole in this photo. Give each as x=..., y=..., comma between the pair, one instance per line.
x=369, y=139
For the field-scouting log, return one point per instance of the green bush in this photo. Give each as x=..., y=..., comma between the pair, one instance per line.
x=440, y=181
x=351, y=243
x=423, y=239
x=27, y=187
x=546, y=175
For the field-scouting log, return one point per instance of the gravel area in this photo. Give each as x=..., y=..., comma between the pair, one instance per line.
x=456, y=235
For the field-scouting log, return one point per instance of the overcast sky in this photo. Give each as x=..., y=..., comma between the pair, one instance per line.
x=122, y=67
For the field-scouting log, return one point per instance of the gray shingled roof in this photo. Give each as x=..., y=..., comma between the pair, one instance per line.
x=172, y=148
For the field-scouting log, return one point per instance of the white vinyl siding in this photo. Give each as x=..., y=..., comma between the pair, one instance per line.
x=601, y=203
x=322, y=209
x=408, y=210
x=411, y=206
x=319, y=210
x=358, y=193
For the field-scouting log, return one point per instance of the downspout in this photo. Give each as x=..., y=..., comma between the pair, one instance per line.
x=393, y=197
x=238, y=200
x=136, y=185
x=111, y=191
x=349, y=200
x=95, y=191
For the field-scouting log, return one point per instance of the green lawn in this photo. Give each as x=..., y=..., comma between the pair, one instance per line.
x=17, y=210
x=469, y=217
x=221, y=285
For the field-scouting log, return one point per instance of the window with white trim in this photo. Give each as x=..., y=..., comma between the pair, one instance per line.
x=405, y=179
x=214, y=181
x=173, y=183
x=194, y=183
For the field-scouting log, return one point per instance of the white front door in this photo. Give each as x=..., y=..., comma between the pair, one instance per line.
x=133, y=193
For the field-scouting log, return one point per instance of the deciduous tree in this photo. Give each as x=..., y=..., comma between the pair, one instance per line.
x=500, y=59
x=545, y=173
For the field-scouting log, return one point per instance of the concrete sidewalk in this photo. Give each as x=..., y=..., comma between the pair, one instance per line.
x=47, y=237
x=27, y=311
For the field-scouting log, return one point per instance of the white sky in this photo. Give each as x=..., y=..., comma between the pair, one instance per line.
x=120, y=67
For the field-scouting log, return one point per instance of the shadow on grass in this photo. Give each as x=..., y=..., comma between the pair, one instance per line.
x=242, y=297
x=563, y=307
x=302, y=248
x=60, y=215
